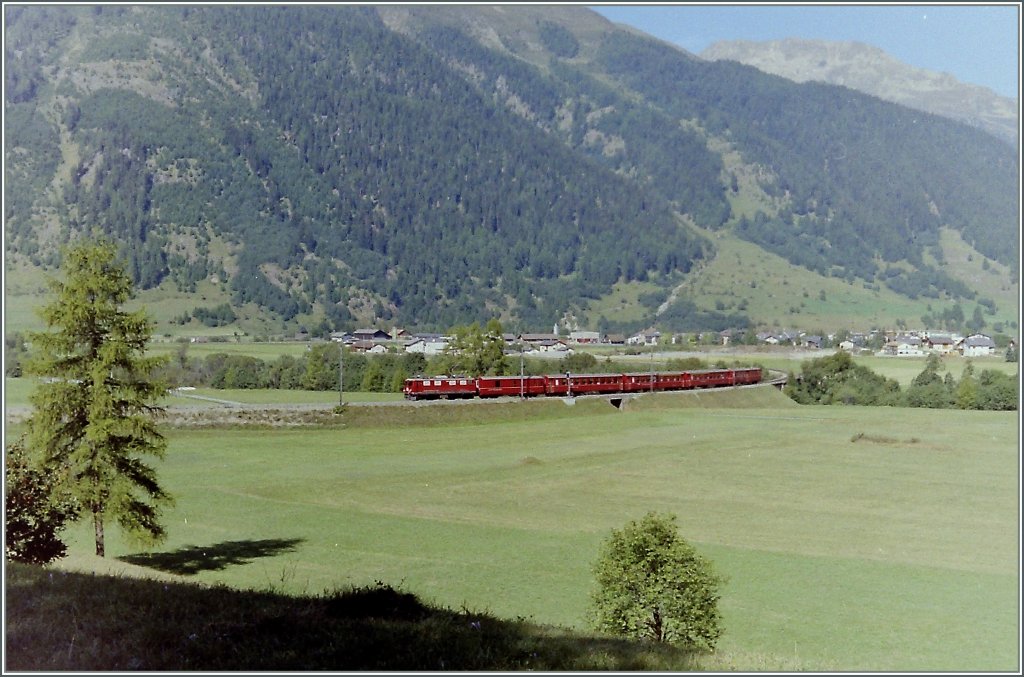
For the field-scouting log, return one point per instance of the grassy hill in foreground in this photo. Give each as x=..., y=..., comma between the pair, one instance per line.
x=58, y=620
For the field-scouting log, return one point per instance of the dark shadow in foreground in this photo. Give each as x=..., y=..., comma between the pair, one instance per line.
x=192, y=559
x=136, y=624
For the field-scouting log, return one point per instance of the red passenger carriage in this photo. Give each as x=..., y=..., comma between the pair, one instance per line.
x=446, y=387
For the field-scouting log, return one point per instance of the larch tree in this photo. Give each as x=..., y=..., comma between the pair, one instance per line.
x=94, y=416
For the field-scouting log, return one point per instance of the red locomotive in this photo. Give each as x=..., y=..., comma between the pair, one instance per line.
x=567, y=385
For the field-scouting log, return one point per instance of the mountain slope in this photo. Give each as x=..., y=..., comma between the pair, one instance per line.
x=870, y=70
x=432, y=166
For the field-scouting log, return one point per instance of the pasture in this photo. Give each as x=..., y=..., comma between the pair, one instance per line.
x=853, y=538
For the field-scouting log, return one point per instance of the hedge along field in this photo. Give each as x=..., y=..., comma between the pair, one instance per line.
x=853, y=538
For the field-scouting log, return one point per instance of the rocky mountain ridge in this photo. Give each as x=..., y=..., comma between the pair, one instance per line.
x=871, y=70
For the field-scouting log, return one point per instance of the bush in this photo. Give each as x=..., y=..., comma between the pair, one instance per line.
x=652, y=584
x=836, y=379
x=34, y=514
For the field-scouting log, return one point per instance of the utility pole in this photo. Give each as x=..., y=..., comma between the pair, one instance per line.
x=652, y=368
x=522, y=385
x=341, y=373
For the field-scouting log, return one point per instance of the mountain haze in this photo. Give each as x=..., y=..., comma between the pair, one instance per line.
x=870, y=70
x=428, y=166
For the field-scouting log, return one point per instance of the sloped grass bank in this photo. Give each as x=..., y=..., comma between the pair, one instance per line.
x=59, y=620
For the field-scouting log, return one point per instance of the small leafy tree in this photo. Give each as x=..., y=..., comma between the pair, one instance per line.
x=35, y=512
x=476, y=352
x=579, y=363
x=967, y=389
x=652, y=584
x=94, y=413
x=997, y=391
x=929, y=389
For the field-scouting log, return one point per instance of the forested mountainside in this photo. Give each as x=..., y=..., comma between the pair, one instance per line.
x=436, y=165
x=870, y=70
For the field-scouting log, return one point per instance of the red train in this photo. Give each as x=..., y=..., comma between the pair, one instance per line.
x=568, y=385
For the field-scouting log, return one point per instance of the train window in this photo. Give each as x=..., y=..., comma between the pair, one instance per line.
x=462, y=382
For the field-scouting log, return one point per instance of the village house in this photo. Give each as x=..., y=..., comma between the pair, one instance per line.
x=368, y=347
x=783, y=337
x=550, y=346
x=942, y=344
x=644, y=338
x=904, y=345
x=976, y=345
x=812, y=341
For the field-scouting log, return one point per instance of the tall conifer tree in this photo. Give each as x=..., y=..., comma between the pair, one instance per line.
x=94, y=412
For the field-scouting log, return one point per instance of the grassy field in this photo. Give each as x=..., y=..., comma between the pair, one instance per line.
x=852, y=538
x=268, y=351
x=18, y=390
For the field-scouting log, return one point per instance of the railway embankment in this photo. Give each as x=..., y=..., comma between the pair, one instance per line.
x=469, y=412
x=184, y=412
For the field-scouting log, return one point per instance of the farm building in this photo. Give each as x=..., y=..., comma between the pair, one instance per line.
x=371, y=335
x=535, y=340
x=427, y=344
x=585, y=337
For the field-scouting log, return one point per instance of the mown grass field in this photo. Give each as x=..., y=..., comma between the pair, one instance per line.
x=852, y=538
x=269, y=351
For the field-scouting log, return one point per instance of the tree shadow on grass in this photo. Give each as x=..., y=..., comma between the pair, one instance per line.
x=192, y=559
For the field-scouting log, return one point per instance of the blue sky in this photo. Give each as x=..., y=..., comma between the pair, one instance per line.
x=979, y=44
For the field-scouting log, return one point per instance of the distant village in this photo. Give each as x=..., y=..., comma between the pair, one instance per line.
x=886, y=344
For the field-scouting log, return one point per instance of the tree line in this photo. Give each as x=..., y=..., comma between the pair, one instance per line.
x=837, y=379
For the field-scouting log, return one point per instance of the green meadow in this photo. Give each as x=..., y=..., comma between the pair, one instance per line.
x=852, y=538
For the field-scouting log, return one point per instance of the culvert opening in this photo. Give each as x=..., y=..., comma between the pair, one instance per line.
x=616, y=402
